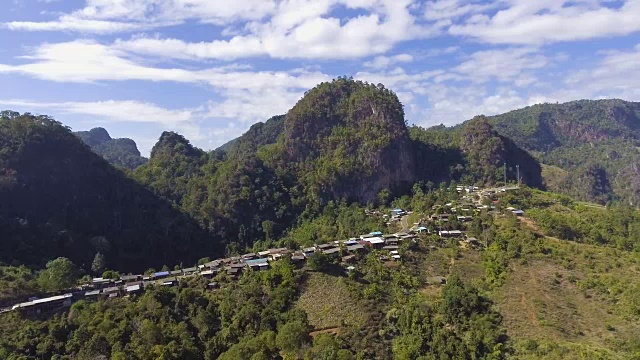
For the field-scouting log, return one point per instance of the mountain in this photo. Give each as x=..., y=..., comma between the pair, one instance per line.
x=120, y=152
x=348, y=139
x=594, y=142
x=59, y=198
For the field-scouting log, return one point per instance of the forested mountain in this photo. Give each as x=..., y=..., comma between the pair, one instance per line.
x=594, y=142
x=476, y=154
x=344, y=141
x=59, y=198
x=120, y=152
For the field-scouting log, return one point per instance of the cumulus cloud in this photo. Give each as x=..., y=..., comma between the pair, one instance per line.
x=380, y=62
x=302, y=29
x=112, y=16
x=545, y=21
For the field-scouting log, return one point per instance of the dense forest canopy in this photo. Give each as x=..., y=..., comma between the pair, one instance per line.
x=595, y=141
x=61, y=199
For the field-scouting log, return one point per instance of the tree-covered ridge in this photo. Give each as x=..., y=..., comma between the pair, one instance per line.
x=262, y=133
x=61, y=199
x=544, y=127
x=474, y=153
x=348, y=139
x=120, y=152
x=596, y=142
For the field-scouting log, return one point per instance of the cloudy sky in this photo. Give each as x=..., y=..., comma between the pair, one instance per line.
x=208, y=69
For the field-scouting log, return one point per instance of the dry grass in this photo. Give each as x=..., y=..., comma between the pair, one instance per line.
x=573, y=297
x=329, y=303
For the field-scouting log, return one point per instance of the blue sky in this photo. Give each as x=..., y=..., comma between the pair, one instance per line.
x=209, y=69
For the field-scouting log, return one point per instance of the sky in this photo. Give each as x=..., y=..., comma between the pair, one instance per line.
x=209, y=69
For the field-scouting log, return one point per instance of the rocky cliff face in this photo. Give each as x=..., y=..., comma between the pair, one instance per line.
x=348, y=139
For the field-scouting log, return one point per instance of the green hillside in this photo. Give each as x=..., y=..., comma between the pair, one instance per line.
x=595, y=141
x=61, y=199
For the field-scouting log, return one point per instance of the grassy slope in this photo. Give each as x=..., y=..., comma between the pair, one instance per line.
x=574, y=302
x=329, y=303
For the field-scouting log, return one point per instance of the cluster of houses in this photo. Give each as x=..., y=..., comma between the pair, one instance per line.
x=346, y=250
x=128, y=285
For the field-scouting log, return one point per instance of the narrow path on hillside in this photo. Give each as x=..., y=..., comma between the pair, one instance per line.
x=405, y=223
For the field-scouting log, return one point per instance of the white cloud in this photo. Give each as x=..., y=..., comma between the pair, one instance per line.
x=111, y=16
x=510, y=64
x=302, y=29
x=89, y=61
x=380, y=62
x=617, y=75
x=545, y=21
x=452, y=9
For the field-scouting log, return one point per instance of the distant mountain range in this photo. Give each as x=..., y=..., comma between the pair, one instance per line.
x=344, y=140
x=589, y=147
x=119, y=152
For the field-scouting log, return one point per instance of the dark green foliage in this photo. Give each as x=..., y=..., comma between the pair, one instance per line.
x=462, y=326
x=258, y=135
x=472, y=153
x=119, y=152
x=188, y=322
x=59, y=274
x=16, y=284
x=61, y=199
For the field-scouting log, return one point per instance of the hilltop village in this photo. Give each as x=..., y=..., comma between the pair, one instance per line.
x=446, y=222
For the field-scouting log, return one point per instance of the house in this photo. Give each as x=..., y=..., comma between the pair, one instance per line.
x=170, y=282
x=134, y=289
x=189, y=271
x=331, y=251
x=451, y=233
x=348, y=259
x=99, y=283
x=130, y=278
x=160, y=275
x=308, y=251
x=249, y=256
x=298, y=258
x=111, y=290
x=350, y=242
x=93, y=294
x=517, y=212
x=234, y=271
x=396, y=257
x=391, y=247
x=258, y=264
x=208, y=273
x=175, y=273
x=366, y=236
x=39, y=306
x=325, y=246
x=357, y=248
x=376, y=242
x=212, y=264
x=376, y=233
x=398, y=212
x=391, y=241
x=465, y=218
x=264, y=253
